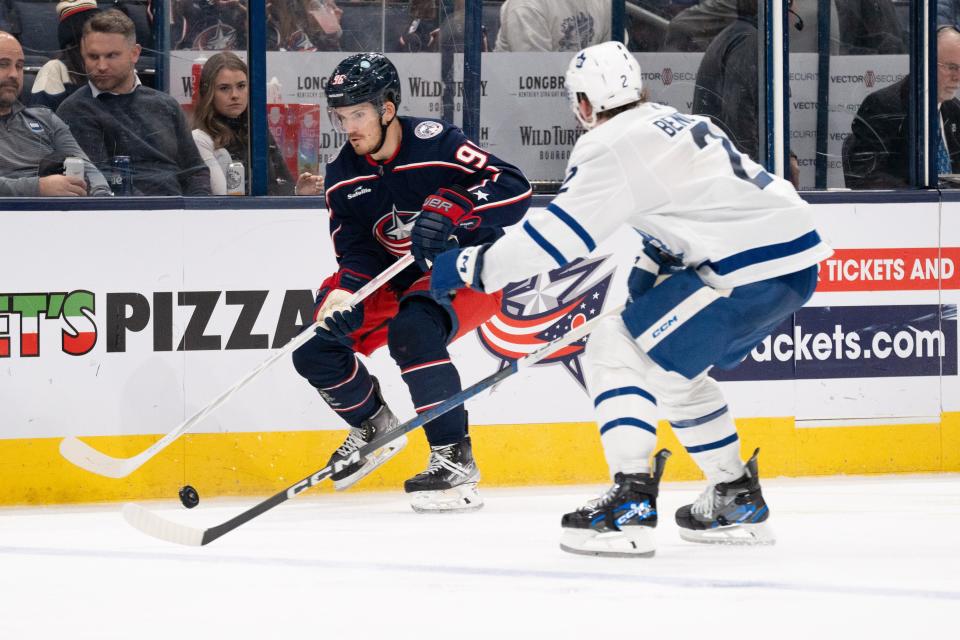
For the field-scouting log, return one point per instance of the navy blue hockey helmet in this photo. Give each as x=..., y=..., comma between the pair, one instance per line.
x=363, y=77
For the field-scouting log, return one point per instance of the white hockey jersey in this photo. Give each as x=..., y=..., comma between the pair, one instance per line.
x=681, y=184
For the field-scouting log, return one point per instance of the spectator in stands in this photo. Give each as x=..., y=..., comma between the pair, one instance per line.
x=303, y=25
x=113, y=115
x=948, y=12
x=10, y=18
x=858, y=27
x=449, y=36
x=870, y=27
x=222, y=133
x=553, y=25
x=35, y=142
x=877, y=154
x=213, y=25
x=726, y=86
x=60, y=77
x=424, y=21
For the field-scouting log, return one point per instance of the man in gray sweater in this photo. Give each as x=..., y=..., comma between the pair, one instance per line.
x=34, y=142
x=114, y=115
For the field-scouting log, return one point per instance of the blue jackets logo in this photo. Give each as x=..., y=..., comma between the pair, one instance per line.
x=393, y=230
x=428, y=129
x=544, y=308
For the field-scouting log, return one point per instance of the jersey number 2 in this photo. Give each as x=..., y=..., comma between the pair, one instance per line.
x=700, y=133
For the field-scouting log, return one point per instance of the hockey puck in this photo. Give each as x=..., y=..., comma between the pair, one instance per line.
x=189, y=497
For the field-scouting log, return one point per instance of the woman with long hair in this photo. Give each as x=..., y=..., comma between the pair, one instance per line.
x=222, y=133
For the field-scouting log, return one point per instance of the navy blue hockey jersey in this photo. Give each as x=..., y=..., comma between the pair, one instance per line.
x=373, y=206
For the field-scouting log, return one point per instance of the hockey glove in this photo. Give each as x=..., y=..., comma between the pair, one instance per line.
x=341, y=323
x=650, y=263
x=441, y=214
x=453, y=270
x=642, y=276
x=333, y=308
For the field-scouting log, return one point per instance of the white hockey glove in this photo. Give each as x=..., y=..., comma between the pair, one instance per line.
x=456, y=269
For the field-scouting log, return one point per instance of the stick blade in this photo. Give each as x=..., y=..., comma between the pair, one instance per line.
x=88, y=458
x=153, y=525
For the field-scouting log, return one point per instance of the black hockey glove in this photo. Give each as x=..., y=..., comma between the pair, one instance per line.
x=441, y=214
x=340, y=324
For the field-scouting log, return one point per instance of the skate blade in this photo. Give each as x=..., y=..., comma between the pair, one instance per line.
x=372, y=461
x=631, y=542
x=461, y=498
x=738, y=534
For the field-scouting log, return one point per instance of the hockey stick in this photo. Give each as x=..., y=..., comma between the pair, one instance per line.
x=153, y=525
x=86, y=457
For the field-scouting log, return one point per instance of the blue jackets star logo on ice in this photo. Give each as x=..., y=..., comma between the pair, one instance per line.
x=542, y=309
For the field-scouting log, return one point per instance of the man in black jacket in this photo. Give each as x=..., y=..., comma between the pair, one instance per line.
x=114, y=115
x=726, y=88
x=877, y=154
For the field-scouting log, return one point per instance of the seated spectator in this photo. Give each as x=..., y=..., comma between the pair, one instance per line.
x=648, y=20
x=114, y=115
x=693, y=29
x=303, y=25
x=213, y=25
x=10, y=18
x=948, y=12
x=870, y=27
x=60, y=77
x=726, y=86
x=857, y=27
x=449, y=36
x=424, y=21
x=553, y=25
x=35, y=141
x=877, y=155
x=222, y=134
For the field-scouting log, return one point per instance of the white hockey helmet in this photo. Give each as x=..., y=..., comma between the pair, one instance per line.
x=608, y=75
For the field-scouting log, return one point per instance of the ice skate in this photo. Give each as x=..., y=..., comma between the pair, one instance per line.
x=729, y=513
x=381, y=422
x=449, y=482
x=619, y=523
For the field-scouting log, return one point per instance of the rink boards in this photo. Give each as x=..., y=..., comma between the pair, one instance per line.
x=121, y=324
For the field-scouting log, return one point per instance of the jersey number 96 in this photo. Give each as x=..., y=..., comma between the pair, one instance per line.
x=472, y=157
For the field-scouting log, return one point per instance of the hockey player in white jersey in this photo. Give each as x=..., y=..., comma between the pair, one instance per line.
x=741, y=249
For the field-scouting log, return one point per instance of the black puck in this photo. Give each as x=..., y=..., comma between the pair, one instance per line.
x=189, y=497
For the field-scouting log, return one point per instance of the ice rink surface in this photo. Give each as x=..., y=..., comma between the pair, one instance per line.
x=856, y=557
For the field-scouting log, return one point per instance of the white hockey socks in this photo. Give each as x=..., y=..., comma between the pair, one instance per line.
x=627, y=417
x=712, y=442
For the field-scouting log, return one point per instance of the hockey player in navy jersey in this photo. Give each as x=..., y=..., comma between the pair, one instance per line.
x=741, y=251
x=402, y=184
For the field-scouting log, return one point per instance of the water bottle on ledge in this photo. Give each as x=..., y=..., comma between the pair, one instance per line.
x=121, y=182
